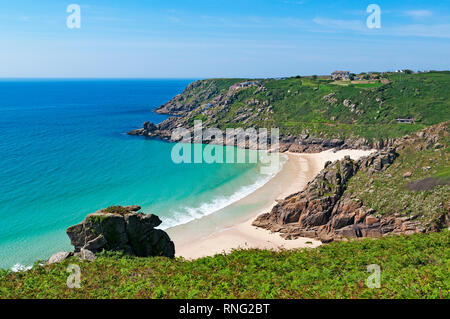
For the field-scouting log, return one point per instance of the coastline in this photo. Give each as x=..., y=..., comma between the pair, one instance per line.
x=230, y=228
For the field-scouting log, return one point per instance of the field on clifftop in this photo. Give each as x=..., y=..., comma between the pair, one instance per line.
x=411, y=267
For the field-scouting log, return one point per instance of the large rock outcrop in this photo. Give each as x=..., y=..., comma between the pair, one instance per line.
x=323, y=211
x=121, y=229
x=194, y=95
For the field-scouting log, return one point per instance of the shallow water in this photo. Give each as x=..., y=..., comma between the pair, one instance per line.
x=64, y=154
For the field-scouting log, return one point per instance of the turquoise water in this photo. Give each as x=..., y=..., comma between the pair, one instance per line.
x=64, y=154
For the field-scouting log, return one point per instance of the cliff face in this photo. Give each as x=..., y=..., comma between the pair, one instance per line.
x=326, y=210
x=203, y=94
x=227, y=103
x=321, y=210
x=312, y=115
x=194, y=95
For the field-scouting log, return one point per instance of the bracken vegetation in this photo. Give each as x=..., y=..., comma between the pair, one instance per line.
x=417, y=266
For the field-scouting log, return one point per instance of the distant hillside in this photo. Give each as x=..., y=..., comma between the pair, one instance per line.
x=318, y=106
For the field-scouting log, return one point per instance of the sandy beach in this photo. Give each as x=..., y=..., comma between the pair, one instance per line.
x=230, y=228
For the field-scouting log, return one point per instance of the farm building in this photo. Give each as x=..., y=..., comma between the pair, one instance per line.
x=340, y=75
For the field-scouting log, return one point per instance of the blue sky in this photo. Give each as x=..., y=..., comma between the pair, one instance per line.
x=216, y=38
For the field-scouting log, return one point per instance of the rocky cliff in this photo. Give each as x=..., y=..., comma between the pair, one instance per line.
x=321, y=211
x=295, y=144
x=324, y=209
x=193, y=96
x=224, y=103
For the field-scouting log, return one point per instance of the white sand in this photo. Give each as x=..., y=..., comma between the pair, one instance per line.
x=240, y=234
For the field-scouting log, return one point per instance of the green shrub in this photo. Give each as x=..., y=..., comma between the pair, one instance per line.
x=115, y=210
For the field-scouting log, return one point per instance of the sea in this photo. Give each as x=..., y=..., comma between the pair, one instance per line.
x=64, y=153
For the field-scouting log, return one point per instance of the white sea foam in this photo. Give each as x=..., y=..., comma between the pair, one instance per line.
x=20, y=267
x=188, y=214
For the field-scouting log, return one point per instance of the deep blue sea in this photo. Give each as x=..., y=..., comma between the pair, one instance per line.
x=64, y=154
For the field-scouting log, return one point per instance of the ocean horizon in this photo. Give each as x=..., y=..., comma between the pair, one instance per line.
x=65, y=154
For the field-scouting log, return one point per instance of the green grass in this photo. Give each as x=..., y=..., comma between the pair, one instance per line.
x=199, y=117
x=115, y=210
x=443, y=173
x=299, y=105
x=368, y=85
x=411, y=267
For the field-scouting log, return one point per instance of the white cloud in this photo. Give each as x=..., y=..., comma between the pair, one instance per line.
x=353, y=25
x=408, y=30
x=174, y=19
x=418, y=14
x=251, y=22
x=421, y=30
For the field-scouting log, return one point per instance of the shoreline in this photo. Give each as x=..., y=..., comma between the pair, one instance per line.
x=230, y=228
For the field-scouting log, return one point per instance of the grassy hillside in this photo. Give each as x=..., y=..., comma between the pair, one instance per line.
x=416, y=185
x=411, y=267
x=325, y=108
